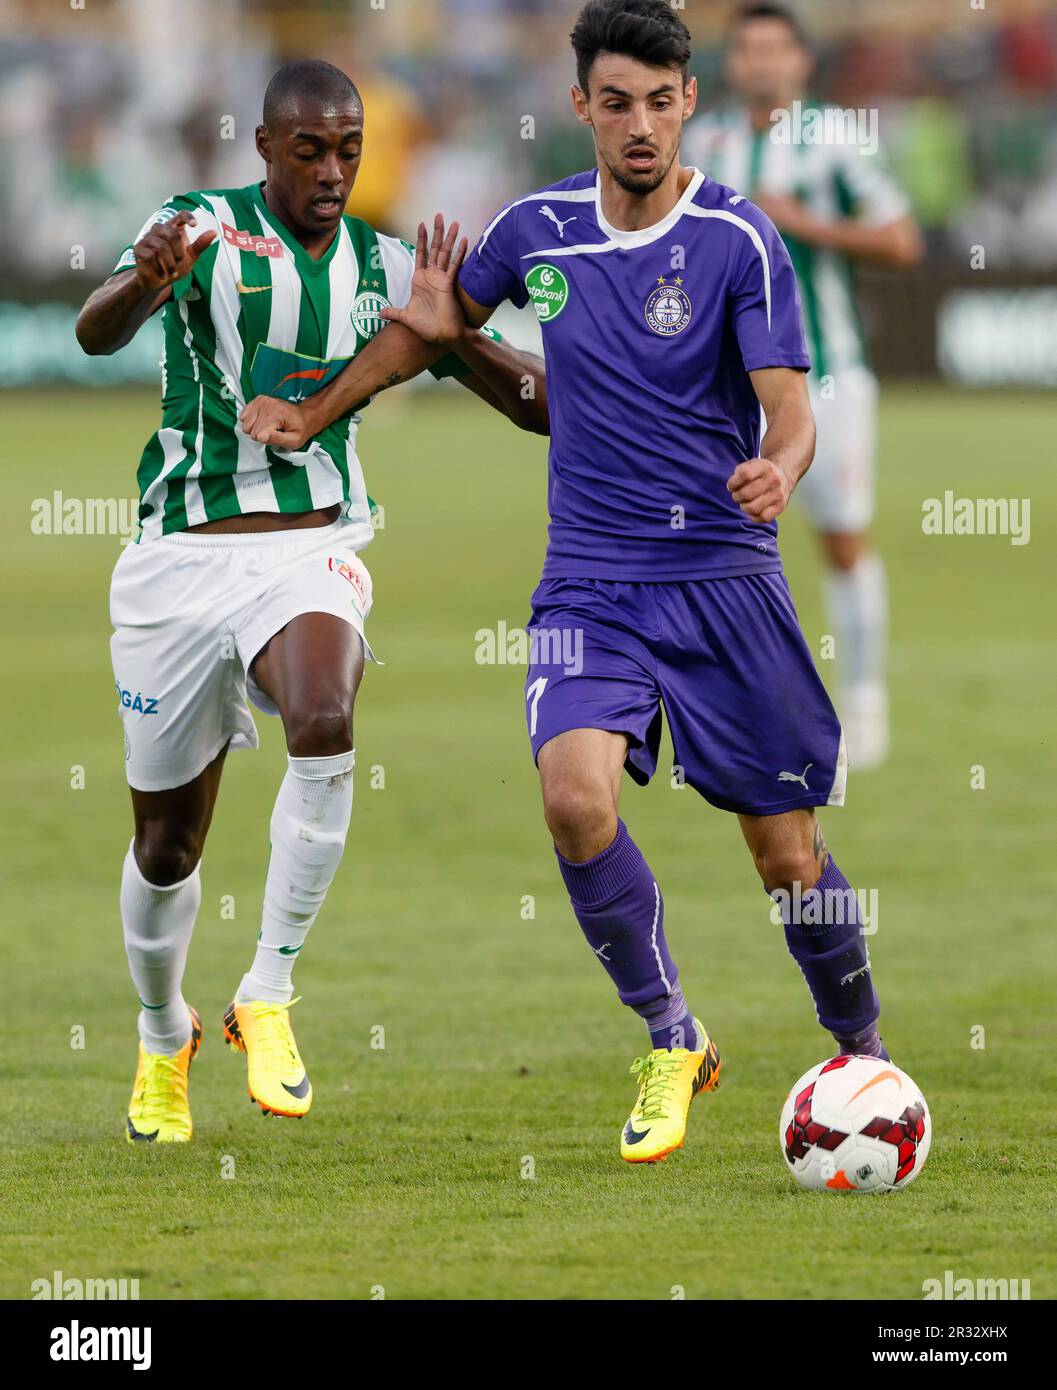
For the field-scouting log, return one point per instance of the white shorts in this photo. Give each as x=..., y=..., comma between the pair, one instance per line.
x=837, y=491
x=191, y=612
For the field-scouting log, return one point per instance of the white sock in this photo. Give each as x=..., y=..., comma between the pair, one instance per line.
x=309, y=825
x=158, y=923
x=857, y=603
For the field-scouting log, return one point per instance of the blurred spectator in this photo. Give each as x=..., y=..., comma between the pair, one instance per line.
x=393, y=130
x=105, y=111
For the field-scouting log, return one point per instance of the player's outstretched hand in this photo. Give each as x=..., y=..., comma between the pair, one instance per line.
x=761, y=489
x=165, y=253
x=433, y=312
x=279, y=423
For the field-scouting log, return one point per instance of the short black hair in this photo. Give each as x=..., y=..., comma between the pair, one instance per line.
x=309, y=77
x=648, y=30
x=782, y=13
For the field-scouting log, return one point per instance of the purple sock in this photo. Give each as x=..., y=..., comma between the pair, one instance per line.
x=670, y=1022
x=827, y=943
x=867, y=1044
x=620, y=910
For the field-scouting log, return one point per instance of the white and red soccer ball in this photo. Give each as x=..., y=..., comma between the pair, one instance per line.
x=855, y=1124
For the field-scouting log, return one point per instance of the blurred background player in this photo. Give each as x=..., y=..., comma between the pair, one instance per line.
x=834, y=205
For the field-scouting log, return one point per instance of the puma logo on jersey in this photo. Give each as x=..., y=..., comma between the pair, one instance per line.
x=250, y=289
x=561, y=224
x=792, y=777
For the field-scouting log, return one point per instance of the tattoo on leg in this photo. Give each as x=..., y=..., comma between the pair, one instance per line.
x=818, y=848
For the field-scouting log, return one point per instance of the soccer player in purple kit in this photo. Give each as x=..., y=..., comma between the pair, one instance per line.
x=670, y=317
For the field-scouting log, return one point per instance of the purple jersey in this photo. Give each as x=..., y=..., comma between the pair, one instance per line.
x=649, y=338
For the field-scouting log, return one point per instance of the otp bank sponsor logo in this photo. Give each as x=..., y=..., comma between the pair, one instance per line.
x=138, y=703
x=350, y=573
x=548, y=290
x=247, y=241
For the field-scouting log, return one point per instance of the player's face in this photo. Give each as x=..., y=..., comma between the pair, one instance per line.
x=766, y=64
x=636, y=113
x=313, y=158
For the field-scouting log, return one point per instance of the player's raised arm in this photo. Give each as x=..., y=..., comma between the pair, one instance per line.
x=440, y=311
x=114, y=313
x=429, y=326
x=763, y=486
x=392, y=356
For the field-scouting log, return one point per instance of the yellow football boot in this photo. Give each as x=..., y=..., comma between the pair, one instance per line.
x=278, y=1081
x=669, y=1079
x=158, y=1112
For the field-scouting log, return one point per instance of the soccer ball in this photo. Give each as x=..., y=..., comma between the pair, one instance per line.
x=855, y=1124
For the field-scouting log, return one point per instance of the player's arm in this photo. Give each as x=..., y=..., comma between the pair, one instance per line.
x=441, y=312
x=765, y=312
x=509, y=380
x=895, y=245
x=391, y=357
x=115, y=312
x=763, y=486
x=878, y=227
x=395, y=355
x=402, y=352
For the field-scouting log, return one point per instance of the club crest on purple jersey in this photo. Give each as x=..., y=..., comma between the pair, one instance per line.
x=668, y=309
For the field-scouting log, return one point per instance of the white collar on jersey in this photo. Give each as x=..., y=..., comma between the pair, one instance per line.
x=644, y=235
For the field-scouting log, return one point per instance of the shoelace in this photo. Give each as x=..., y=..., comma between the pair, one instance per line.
x=275, y=1040
x=163, y=1076
x=655, y=1075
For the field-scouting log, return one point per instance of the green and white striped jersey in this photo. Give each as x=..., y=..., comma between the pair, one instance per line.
x=258, y=316
x=832, y=180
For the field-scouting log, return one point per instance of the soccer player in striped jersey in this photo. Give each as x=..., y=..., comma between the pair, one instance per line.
x=245, y=581
x=670, y=313
x=836, y=206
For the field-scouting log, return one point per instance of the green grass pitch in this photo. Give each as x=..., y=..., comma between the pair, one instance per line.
x=475, y=1155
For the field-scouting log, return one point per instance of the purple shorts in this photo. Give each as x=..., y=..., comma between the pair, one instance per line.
x=752, y=726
